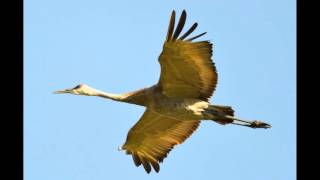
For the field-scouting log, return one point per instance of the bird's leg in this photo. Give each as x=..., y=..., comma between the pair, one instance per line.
x=220, y=117
x=252, y=124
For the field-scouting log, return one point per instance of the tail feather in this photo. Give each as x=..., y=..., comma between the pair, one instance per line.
x=225, y=109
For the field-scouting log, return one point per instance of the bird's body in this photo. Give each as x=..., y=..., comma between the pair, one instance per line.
x=179, y=101
x=175, y=107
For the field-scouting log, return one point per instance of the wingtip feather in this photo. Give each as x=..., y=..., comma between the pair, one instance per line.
x=180, y=25
x=171, y=25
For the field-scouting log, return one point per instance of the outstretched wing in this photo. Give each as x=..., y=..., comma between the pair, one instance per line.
x=186, y=67
x=153, y=136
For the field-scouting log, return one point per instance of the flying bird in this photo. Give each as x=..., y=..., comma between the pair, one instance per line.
x=177, y=104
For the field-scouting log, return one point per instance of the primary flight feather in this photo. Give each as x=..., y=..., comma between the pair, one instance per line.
x=179, y=101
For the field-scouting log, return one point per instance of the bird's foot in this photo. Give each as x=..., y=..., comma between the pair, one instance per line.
x=259, y=124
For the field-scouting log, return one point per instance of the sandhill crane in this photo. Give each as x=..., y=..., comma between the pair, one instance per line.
x=179, y=101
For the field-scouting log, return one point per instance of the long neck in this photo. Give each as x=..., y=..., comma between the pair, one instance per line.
x=116, y=97
x=138, y=97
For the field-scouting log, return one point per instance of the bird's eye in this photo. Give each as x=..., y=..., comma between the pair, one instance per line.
x=77, y=87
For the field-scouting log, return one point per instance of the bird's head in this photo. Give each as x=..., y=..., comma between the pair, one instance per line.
x=81, y=89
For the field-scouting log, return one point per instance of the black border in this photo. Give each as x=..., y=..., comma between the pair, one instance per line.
x=306, y=98
x=298, y=87
x=298, y=10
x=12, y=89
x=18, y=131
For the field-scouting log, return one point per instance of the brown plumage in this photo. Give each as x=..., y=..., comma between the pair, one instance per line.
x=152, y=138
x=186, y=72
x=175, y=105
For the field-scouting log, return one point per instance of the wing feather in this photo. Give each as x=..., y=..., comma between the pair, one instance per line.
x=197, y=36
x=180, y=25
x=171, y=25
x=151, y=139
x=186, y=67
x=193, y=27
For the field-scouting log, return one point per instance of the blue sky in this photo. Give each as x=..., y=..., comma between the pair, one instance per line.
x=114, y=45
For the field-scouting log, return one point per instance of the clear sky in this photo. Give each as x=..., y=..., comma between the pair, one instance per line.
x=114, y=46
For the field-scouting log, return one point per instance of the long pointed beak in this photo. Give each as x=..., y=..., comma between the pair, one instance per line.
x=62, y=91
